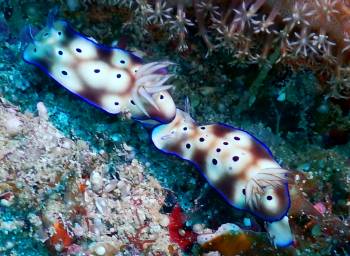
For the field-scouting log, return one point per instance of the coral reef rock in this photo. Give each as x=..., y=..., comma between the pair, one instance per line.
x=70, y=201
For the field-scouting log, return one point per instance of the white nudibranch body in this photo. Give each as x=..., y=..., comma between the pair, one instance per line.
x=112, y=79
x=236, y=164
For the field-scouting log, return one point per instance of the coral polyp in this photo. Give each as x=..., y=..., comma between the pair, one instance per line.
x=316, y=30
x=303, y=43
x=299, y=15
x=160, y=13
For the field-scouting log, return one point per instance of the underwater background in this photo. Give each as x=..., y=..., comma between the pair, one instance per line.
x=75, y=180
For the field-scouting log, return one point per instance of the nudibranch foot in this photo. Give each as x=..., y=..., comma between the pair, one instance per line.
x=112, y=79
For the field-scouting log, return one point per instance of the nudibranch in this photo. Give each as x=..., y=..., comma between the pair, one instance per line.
x=236, y=164
x=110, y=78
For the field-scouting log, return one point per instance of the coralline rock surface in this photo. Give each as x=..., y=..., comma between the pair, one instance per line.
x=69, y=199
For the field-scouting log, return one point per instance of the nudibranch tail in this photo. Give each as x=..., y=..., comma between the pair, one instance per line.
x=112, y=79
x=280, y=232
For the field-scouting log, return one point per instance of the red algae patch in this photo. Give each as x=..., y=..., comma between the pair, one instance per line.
x=183, y=238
